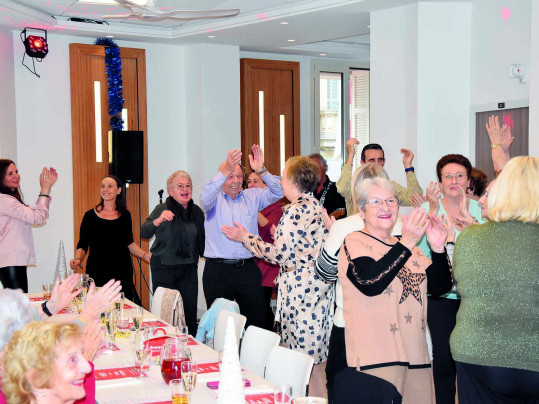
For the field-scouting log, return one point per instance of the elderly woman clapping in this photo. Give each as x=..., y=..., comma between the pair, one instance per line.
x=385, y=280
x=43, y=363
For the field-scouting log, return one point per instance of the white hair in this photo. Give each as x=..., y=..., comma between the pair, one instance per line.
x=15, y=313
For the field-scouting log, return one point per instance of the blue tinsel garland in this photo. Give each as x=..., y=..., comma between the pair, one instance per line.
x=113, y=64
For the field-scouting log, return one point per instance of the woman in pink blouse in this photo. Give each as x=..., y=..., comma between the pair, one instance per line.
x=16, y=221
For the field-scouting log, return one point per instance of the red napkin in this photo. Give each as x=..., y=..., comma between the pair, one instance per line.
x=116, y=373
x=263, y=398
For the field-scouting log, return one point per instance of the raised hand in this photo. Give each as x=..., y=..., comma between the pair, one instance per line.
x=256, y=159
x=351, y=149
x=436, y=234
x=234, y=233
x=62, y=293
x=413, y=227
x=47, y=178
x=232, y=159
x=92, y=335
x=434, y=193
x=494, y=130
x=450, y=227
x=165, y=216
x=407, y=157
x=464, y=219
x=99, y=301
x=506, y=138
x=418, y=200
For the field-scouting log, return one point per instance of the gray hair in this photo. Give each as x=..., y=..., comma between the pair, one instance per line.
x=362, y=173
x=321, y=159
x=179, y=173
x=366, y=186
x=15, y=313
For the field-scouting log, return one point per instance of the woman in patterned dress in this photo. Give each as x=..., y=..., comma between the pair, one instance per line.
x=304, y=301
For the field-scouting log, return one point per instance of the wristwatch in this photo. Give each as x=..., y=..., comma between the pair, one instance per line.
x=264, y=169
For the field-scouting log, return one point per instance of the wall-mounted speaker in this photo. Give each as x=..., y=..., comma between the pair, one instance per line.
x=128, y=156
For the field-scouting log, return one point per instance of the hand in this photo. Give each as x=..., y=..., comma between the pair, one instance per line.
x=92, y=335
x=257, y=158
x=407, y=157
x=434, y=193
x=506, y=138
x=98, y=302
x=272, y=231
x=464, y=219
x=328, y=220
x=450, y=227
x=493, y=129
x=147, y=257
x=234, y=233
x=75, y=265
x=165, y=216
x=232, y=160
x=436, y=234
x=47, y=179
x=413, y=227
x=62, y=293
x=418, y=200
x=351, y=149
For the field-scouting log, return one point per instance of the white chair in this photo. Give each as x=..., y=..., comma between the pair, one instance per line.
x=285, y=366
x=168, y=305
x=255, y=348
x=220, y=328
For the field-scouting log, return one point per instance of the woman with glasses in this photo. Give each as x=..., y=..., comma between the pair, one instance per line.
x=385, y=280
x=106, y=234
x=178, y=226
x=454, y=173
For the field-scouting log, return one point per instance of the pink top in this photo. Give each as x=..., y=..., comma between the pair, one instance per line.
x=16, y=221
x=269, y=271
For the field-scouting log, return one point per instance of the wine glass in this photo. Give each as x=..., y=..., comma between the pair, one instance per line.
x=138, y=317
x=282, y=394
x=189, y=376
x=111, y=323
x=142, y=353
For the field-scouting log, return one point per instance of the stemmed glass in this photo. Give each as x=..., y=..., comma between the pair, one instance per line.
x=189, y=376
x=142, y=353
x=111, y=323
x=138, y=317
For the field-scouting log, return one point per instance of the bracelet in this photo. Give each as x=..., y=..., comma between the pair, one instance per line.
x=495, y=145
x=264, y=169
x=45, y=309
x=409, y=170
x=449, y=243
x=45, y=195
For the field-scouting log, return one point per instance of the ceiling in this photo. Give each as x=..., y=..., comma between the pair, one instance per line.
x=322, y=28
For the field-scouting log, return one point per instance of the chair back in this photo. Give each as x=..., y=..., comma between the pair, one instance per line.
x=285, y=366
x=168, y=305
x=255, y=348
x=220, y=328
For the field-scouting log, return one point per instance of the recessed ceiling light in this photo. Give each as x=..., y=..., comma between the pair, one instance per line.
x=368, y=26
x=322, y=54
x=291, y=40
x=211, y=36
x=138, y=2
x=110, y=36
x=284, y=23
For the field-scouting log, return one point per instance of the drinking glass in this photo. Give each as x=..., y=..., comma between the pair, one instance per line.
x=47, y=290
x=178, y=393
x=189, y=376
x=137, y=314
x=182, y=332
x=111, y=323
x=309, y=400
x=282, y=394
x=142, y=353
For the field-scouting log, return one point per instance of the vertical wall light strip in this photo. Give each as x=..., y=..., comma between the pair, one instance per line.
x=97, y=115
x=281, y=141
x=124, y=118
x=261, y=118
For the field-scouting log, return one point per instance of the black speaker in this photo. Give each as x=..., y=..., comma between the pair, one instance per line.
x=128, y=156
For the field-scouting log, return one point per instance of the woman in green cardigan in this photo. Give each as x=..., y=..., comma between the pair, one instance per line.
x=495, y=342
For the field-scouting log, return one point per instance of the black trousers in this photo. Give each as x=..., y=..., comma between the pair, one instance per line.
x=14, y=277
x=184, y=279
x=270, y=317
x=353, y=387
x=336, y=359
x=492, y=384
x=441, y=317
x=242, y=283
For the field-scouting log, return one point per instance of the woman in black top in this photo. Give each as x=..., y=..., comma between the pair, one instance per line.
x=107, y=231
x=178, y=226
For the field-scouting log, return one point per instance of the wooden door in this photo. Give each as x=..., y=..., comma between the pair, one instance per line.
x=87, y=64
x=270, y=94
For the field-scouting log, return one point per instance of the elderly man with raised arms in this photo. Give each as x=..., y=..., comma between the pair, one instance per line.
x=230, y=270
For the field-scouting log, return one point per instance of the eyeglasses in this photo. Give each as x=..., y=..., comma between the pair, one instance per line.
x=378, y=203
x=184, y=186
x=450, y=176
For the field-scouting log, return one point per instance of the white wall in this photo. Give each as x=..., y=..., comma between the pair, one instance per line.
x=8, y=133
x=534, y=82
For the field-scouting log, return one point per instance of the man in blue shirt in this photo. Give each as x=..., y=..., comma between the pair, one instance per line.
x=230, y=270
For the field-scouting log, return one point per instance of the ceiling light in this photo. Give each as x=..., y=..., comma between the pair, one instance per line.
x=284, y=23
x=291, y=40
x=368, y=26
x=110, y=36
x=138, y=2
x=211, y=36
x=322, y=54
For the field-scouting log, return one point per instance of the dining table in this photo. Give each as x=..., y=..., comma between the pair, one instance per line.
x=118, y=382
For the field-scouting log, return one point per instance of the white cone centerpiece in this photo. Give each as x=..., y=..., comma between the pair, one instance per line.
x=61, y=265
x=231, y=382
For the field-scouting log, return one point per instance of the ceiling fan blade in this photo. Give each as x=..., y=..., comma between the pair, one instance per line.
x=201, y=14
x=120, y=16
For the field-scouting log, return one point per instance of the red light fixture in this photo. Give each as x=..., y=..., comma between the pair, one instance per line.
x=36, y=46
